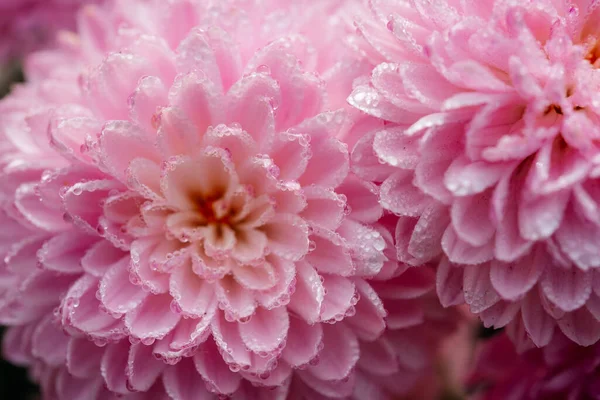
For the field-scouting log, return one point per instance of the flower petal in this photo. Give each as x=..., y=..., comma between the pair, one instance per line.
x=266, y=331
x=568, y=289
x=152, y=319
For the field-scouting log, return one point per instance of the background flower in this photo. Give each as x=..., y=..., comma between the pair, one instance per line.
x=27, y=25
x=490, y=154
x=561, y=370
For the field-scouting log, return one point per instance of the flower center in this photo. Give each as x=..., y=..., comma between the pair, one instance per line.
x=593, y=52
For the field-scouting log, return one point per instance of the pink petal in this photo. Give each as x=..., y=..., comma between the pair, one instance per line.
x=539, y=325
x=182, y=381
x=143, y=176
x=83, y=202
x=16, y=344
x=500, y=314
x=214, y=371
x=239, y=143
x=117, y=293
x=330, y=254
x=510, y=245
x=540, y=217
x=368, y=323
x=288, y=236
x=368, y=245
x=478, y=291
x=266, y=331
x=578, y=239
x=365, y=163
x=35, y=211
x=141, y=269
x=144, y=102
x=400, y=196
x=580, y=326
x=250, y=246
x=461, y=252
x=439, y=149
x=228, y=339
x=111, y=83
x=362, y=199
x=302, y=94
x=329, y=164
x=308, y=296
x=49, y=343
x=153, y=318
x=368, y=100
x=324, y=207
x=424, y=83
x=81, y=310
x=340, y=298
x=143, y=369
x=397, y=149
x=568, y=289
x=122, y=142
x=64, y=252
x=303, y=343
x=279, y=294
x=190, y=332
x=339, y=355
x=68, y=135
x=250, y=103
x=291, y=153
x=256, y=277
x=465, y=177
x=220, y=57
x=513, y=280
x=69, y=387
x=83, y=357
x=177, y=132
x=237, y=301
x=449, y=283
x=556, y=169
x=378, y=357
x=122, y=207
x=413, y=283
x=114, y=363
x=471, y=218
x=418, y=242
x=195, y=296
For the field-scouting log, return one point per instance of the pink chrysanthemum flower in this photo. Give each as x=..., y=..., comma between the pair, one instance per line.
x=27, y=25
x=562, y=370
x=491, y=153
x=176, y=177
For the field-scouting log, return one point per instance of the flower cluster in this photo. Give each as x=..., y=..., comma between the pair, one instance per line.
x=266, y=199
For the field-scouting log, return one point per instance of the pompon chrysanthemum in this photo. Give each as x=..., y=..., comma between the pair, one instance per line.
x=27, y=25
x=561, y=370
x=176, y=187
x=491, y=153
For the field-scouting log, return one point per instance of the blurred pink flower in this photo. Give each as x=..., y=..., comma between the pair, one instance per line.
x=27, y=25
x=490, y=153
x=177, y=198
x=561, y=370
